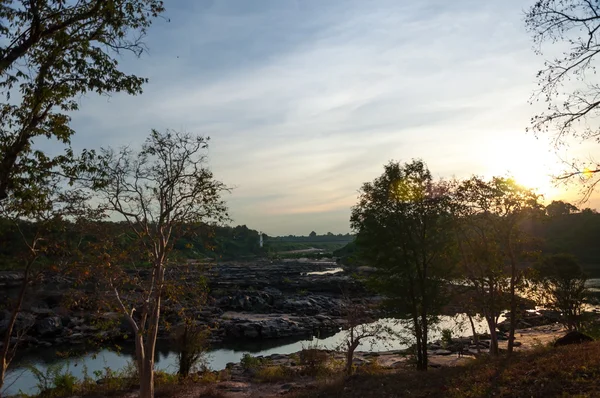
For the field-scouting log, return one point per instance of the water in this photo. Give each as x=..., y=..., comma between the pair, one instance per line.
x=328, y=271
x=20, y=378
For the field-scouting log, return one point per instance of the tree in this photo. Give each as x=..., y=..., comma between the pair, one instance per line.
x=359, y=328
x=560, y=208
x=493, y=243
x=52, y=53
x=572, y=108
x=313, y=234
x=561, y=283
x=158, y=191
x=40, y=221
x=402, y=220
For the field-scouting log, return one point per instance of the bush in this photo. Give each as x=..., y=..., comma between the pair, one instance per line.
x=191, y=343
x=249, y=362
x=271, y=374
x=314, y=360
x=55, y=382
x=371, y=368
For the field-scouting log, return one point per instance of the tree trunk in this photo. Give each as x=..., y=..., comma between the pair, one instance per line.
x=493, y=336
x=147, y=379
x=475, y=336
x=424, y=332
x=350, y=357
x=513, y=310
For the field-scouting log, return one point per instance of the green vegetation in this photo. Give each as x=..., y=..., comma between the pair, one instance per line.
x=404, y=224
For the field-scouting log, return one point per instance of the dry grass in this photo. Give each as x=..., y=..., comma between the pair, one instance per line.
x=545, y=372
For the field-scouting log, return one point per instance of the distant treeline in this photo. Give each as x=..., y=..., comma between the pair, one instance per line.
x=200, y=241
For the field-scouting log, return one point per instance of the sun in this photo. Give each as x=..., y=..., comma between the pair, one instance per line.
x=530, y=162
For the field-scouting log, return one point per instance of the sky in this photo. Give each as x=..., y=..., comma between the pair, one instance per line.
x=305, y=100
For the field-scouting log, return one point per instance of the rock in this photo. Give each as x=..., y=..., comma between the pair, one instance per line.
x=251, y=331
x=573, y=337
x=442, y=352
x=49, y=326
x=23, y=322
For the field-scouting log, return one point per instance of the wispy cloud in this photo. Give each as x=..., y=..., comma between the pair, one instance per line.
x=306, y=100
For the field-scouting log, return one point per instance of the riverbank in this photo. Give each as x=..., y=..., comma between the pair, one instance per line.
x=287, y=375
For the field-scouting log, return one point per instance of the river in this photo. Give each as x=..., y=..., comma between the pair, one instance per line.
x=21, y=379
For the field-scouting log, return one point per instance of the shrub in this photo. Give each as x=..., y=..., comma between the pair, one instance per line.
x=314, y=360
x=251, y=362
x=191, y=343
x=271, y=374
x=446, y=337
x=371, y=368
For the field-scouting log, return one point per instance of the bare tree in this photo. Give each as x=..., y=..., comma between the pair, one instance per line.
x=360, y=327
x=567, y=82
x=158, y=191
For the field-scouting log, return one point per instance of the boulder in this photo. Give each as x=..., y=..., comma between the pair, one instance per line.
x=49, y=326
x=573, y=337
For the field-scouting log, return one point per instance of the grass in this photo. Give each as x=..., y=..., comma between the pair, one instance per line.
x=544, y=372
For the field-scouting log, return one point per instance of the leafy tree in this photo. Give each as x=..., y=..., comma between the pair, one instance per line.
x=313, y=234
x=493, y=242
x=40, y=223
x=560, y=208
x=158, y=191
x=561, y=283
x=52, y=52
x=402, y=220
x=572, y=108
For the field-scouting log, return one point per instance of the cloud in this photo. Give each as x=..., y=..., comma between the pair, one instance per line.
x=306, y=100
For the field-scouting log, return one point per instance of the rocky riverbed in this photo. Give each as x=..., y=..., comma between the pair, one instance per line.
x=248, y=300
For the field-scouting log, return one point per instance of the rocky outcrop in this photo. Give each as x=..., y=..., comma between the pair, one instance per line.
x=573, y=337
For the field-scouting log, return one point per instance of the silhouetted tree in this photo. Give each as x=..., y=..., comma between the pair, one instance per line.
x=560, y=208
x=561, y=283
x=493, y=243
x=573, y=108
x=402, y=220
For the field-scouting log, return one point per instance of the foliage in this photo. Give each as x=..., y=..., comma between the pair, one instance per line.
x=313, y=359
x=249, y=362
x=446, y=337
x=565, y=81
x=273, y=373
x=55, y=382
x=402, y=221
x=561, y=286
x=574, y=233
x=54, y=52
x=493, y=244
x=191, y=342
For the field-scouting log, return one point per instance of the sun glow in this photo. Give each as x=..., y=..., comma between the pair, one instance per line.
x=530, y=162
